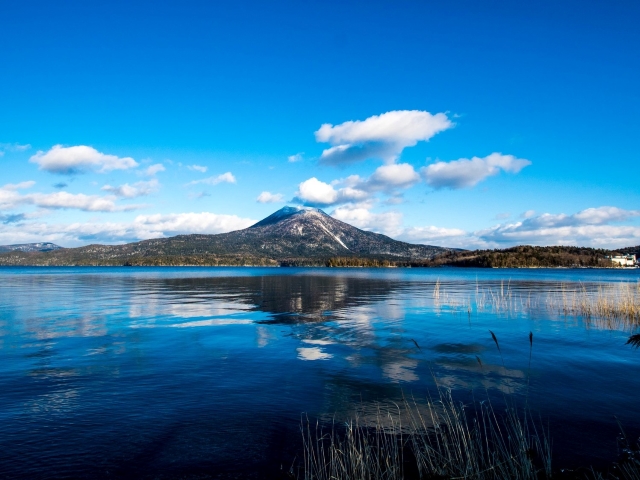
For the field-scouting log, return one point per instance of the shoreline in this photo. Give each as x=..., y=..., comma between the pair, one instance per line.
x=103, y=265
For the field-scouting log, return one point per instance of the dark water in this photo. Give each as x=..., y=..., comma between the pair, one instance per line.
x=200, y=373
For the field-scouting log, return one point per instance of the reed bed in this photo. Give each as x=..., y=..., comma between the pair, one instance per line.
x=609, y=305
x=444, y=439
x=612, y=305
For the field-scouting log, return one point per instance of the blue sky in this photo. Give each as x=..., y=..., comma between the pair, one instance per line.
x=468, y=124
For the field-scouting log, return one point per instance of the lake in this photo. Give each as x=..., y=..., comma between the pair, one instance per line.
x=207, y=372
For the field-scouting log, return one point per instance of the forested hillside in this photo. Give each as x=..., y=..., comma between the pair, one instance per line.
x=526, y=256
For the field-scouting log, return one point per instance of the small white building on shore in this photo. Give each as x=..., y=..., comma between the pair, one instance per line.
x=623, y=260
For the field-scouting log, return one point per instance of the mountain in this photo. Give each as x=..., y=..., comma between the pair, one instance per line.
x=29, y=247
x=290, y=236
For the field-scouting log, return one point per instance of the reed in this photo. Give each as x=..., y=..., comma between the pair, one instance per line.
x=444, y=439
x=477, y=443
x=607, y=305
x=634, y=341
x=611, y=306
x=357, y=451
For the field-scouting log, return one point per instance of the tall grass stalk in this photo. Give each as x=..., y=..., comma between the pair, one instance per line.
x=444, y=439
x=611, y=306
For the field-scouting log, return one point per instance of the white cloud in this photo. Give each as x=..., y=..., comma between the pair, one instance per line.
x=268, y=197
x=10, y=198
x=215, y=180
x=386, y=178
x=605, y=236
x=197, y=168
x=591, y=227
x=388, y=223
x=465, y=173
x=380, y=136
x=80, y=201
x=446, y=237
x=352, y=194
x=13, y=147
x=138, y=189
x=590, y=216
x=143, y=227
x=18, y=186
x=315, y=192
x=80, y=159
x=400, y=175
x=177, y=223
x=601, y=215
x=295, y=158
x=154, y=169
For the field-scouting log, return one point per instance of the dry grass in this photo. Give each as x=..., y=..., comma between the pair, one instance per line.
x=357, y=451
x=607, y=305
x=444, y=439
x=477, y=443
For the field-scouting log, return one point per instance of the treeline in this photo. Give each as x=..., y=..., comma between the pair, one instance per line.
x=199, y=261
x=42, y=260
x=516, y=257
x=630, y=251
x=359, y=262
x=525, y=257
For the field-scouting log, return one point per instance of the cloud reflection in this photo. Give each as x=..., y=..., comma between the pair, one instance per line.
x=214, y=322
x=318, y=342
x=313, y=353
x=401, y=371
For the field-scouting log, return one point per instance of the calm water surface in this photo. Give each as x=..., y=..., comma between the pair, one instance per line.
x=205, y=372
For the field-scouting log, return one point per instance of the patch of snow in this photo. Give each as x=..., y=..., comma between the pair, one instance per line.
x=334, y=236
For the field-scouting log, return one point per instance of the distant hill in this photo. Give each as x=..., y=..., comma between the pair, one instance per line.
x=290, y=236
x=525, y=256
x=30, y=247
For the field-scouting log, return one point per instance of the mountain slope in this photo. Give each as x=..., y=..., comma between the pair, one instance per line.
x=30, y=247
x=309, y=232
x=292, y=235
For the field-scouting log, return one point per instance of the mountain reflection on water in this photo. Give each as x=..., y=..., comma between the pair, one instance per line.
x=288, y=298
x=178, y=373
